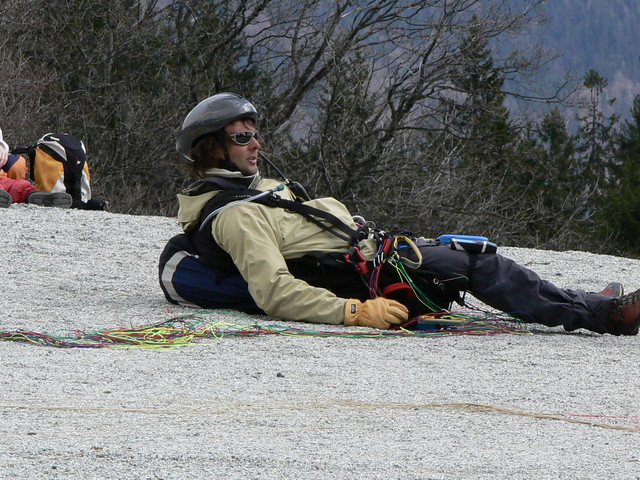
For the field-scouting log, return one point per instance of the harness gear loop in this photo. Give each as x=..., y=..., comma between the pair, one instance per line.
x=370, y=270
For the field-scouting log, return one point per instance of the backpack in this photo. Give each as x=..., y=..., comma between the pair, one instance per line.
x=58, y=163
x=185, y=279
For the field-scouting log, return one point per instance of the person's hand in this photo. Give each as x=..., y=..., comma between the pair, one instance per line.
x=378, y=312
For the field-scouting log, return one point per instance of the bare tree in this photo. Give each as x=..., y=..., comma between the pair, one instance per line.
x=352, y=91
x=363, y=101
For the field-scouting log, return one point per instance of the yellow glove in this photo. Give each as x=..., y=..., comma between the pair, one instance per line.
x=378, y=312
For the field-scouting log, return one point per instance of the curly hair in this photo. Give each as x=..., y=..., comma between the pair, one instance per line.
x=201, y=152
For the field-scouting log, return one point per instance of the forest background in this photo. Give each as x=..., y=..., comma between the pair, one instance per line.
x=515, y=119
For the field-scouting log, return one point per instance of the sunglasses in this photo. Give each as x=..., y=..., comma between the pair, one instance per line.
x=243, y=138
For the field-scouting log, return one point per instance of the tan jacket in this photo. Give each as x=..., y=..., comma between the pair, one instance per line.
x=259, y=238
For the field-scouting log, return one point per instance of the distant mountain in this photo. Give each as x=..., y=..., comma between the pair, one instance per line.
x=599, y=34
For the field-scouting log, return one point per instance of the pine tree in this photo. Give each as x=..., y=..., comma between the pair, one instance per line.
x=622, y=212
x=484, y=139
x=559, y=164
x=480, y=116
x=555, y=189
x=596, y=137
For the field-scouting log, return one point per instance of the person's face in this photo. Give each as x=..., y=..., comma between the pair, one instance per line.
x=245, y=157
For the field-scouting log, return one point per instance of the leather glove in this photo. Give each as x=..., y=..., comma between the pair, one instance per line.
x=378, y=312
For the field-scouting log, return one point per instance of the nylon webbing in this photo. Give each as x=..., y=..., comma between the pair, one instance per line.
x=352, y=236
x=272, y=200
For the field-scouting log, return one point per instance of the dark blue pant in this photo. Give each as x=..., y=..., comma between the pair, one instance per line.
x=506, y=286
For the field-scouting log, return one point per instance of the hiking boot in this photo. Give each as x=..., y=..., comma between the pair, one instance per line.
x=624, y=318
x=50, y=199
x=613, y=290
x=5, y=199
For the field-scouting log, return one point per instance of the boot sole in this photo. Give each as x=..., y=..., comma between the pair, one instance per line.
x=53, y=199
x=5, y=199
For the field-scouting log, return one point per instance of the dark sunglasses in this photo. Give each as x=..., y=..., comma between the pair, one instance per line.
x=243, y=138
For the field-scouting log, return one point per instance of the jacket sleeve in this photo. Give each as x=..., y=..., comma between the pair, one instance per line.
x=4, y=151
x=251, y=235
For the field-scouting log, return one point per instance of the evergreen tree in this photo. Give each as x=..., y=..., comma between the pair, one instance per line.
x=555, y=190
x=629, y=137
x=480, y=117
x=559, y=165
x=598, y=169
x=346, y=145
x=480, y=129
x=596, y=137
x=622, y=213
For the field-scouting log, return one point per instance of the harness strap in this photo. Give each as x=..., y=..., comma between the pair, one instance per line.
x=238, y=198
x=238, y=194
x=312, y=214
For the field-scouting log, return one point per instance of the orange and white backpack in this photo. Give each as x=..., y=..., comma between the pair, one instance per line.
x=58, y=163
